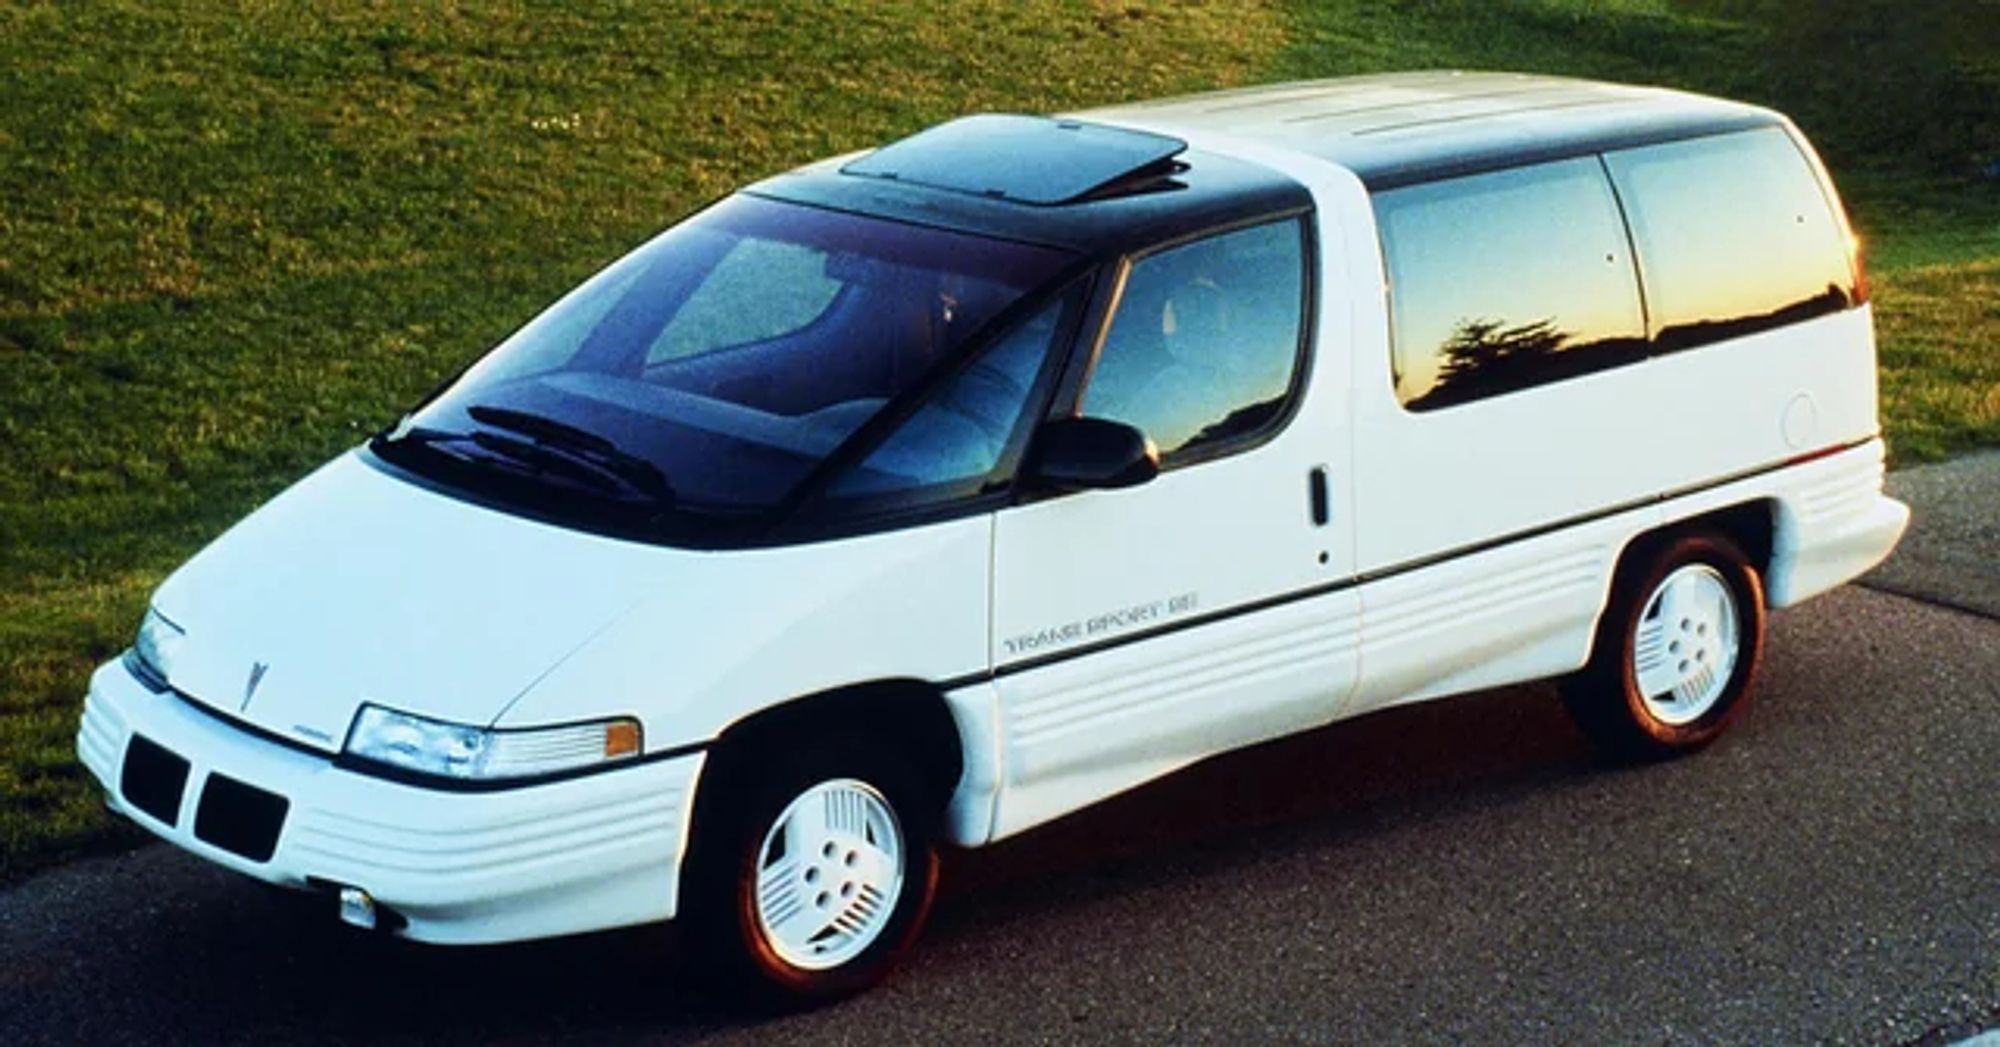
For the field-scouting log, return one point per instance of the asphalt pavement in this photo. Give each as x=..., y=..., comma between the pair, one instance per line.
x=1951, y=554
x=1462, y=871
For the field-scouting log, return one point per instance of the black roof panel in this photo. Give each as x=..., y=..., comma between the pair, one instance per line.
x=1030, y=159
x=1206, y=191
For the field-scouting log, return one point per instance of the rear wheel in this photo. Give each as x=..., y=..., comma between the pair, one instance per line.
x=1676, y=653
x=812, y=872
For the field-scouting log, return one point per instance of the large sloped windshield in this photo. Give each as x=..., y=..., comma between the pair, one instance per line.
x=714, y=368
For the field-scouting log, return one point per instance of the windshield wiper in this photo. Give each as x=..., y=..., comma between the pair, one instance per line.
x=581, y=456
x=543, y=428
x=637, y=471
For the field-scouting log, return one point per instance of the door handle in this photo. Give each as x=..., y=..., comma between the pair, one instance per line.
x=1320, y=501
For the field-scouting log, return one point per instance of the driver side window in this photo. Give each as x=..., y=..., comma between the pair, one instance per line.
x=1206, y=340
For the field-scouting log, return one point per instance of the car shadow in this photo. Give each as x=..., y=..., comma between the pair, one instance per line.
x=1300, y=791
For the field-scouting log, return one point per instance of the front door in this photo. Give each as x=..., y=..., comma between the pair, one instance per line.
x=1138, y=630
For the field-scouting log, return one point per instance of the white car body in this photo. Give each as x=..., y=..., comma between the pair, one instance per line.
x=1082, y=644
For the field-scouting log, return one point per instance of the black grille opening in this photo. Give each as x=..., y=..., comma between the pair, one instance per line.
x=152, y=779
x=241, y=819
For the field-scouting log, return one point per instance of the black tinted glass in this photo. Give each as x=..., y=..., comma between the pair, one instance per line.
x=713, y=369
x=957, y=438
x=1734, y=235
x=1501, y=281
x=1205, y=340
x=1029, y=158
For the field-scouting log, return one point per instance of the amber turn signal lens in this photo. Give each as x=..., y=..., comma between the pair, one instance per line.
x=621, y=738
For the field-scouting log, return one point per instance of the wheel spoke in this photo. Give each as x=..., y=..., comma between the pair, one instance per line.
x=1660, y=679
x=860, y=911
x=779, y=895
x=805, y=828
x=1673, y=600
x=846, y=814
x=1715, y=604
x=774, y=879
x=875, y=866
x=799, y=924
x=1651, y=663
x=1691, y=690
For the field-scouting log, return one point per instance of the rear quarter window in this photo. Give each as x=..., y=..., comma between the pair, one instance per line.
x=1734, y=233
x=1506, y=280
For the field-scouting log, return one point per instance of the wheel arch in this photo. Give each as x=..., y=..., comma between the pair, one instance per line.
x=1614, y=723
x=907, y=716
x=1750, y=524
x=745, y=770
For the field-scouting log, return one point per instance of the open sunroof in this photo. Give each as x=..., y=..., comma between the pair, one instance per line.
x=1030, y=159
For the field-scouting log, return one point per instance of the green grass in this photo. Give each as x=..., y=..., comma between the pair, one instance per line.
x=236, y=240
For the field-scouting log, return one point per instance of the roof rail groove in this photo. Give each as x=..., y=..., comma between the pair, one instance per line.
x=1577, y=103
x=1412, y=103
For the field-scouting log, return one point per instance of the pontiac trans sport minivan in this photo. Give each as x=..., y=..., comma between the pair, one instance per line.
x=925, y=495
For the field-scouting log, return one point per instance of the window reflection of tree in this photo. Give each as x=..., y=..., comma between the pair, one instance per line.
x=1485, y=346
x=1485, y=356
x=1702, y=332
x=1246, y=419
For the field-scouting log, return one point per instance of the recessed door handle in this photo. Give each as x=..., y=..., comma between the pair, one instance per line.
x=1316, y=494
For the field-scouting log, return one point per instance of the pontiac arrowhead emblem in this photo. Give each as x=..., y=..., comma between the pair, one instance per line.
x=257, y=670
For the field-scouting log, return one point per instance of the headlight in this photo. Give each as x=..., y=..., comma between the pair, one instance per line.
x=421, y=745
x=153, y=650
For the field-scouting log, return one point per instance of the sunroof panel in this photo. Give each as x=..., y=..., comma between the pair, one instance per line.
x=1030, y=159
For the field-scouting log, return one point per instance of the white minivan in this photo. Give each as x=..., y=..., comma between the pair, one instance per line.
x=922, y=496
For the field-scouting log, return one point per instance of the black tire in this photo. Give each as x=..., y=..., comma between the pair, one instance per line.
x=741, y=800
x=1606, y=699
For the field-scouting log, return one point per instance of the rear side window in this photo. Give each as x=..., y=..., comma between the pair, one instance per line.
x=1506, y=280
x=1734, y=236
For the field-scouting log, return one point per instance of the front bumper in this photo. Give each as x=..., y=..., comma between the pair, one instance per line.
x=582, y=854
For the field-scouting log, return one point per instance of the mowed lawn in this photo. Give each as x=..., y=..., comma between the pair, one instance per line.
x=236, y=240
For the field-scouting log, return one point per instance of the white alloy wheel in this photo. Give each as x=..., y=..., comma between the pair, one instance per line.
x=829, y=874
x=1687, y=644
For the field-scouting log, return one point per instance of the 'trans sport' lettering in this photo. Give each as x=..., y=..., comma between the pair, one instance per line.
x=1107, y=624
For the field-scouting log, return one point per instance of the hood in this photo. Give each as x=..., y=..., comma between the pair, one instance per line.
x=354, y=586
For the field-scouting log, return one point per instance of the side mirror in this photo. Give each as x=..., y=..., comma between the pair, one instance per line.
x=1083, y=453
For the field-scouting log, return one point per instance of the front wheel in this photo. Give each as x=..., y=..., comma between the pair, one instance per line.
x=1676, y=653
x=812, y=873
